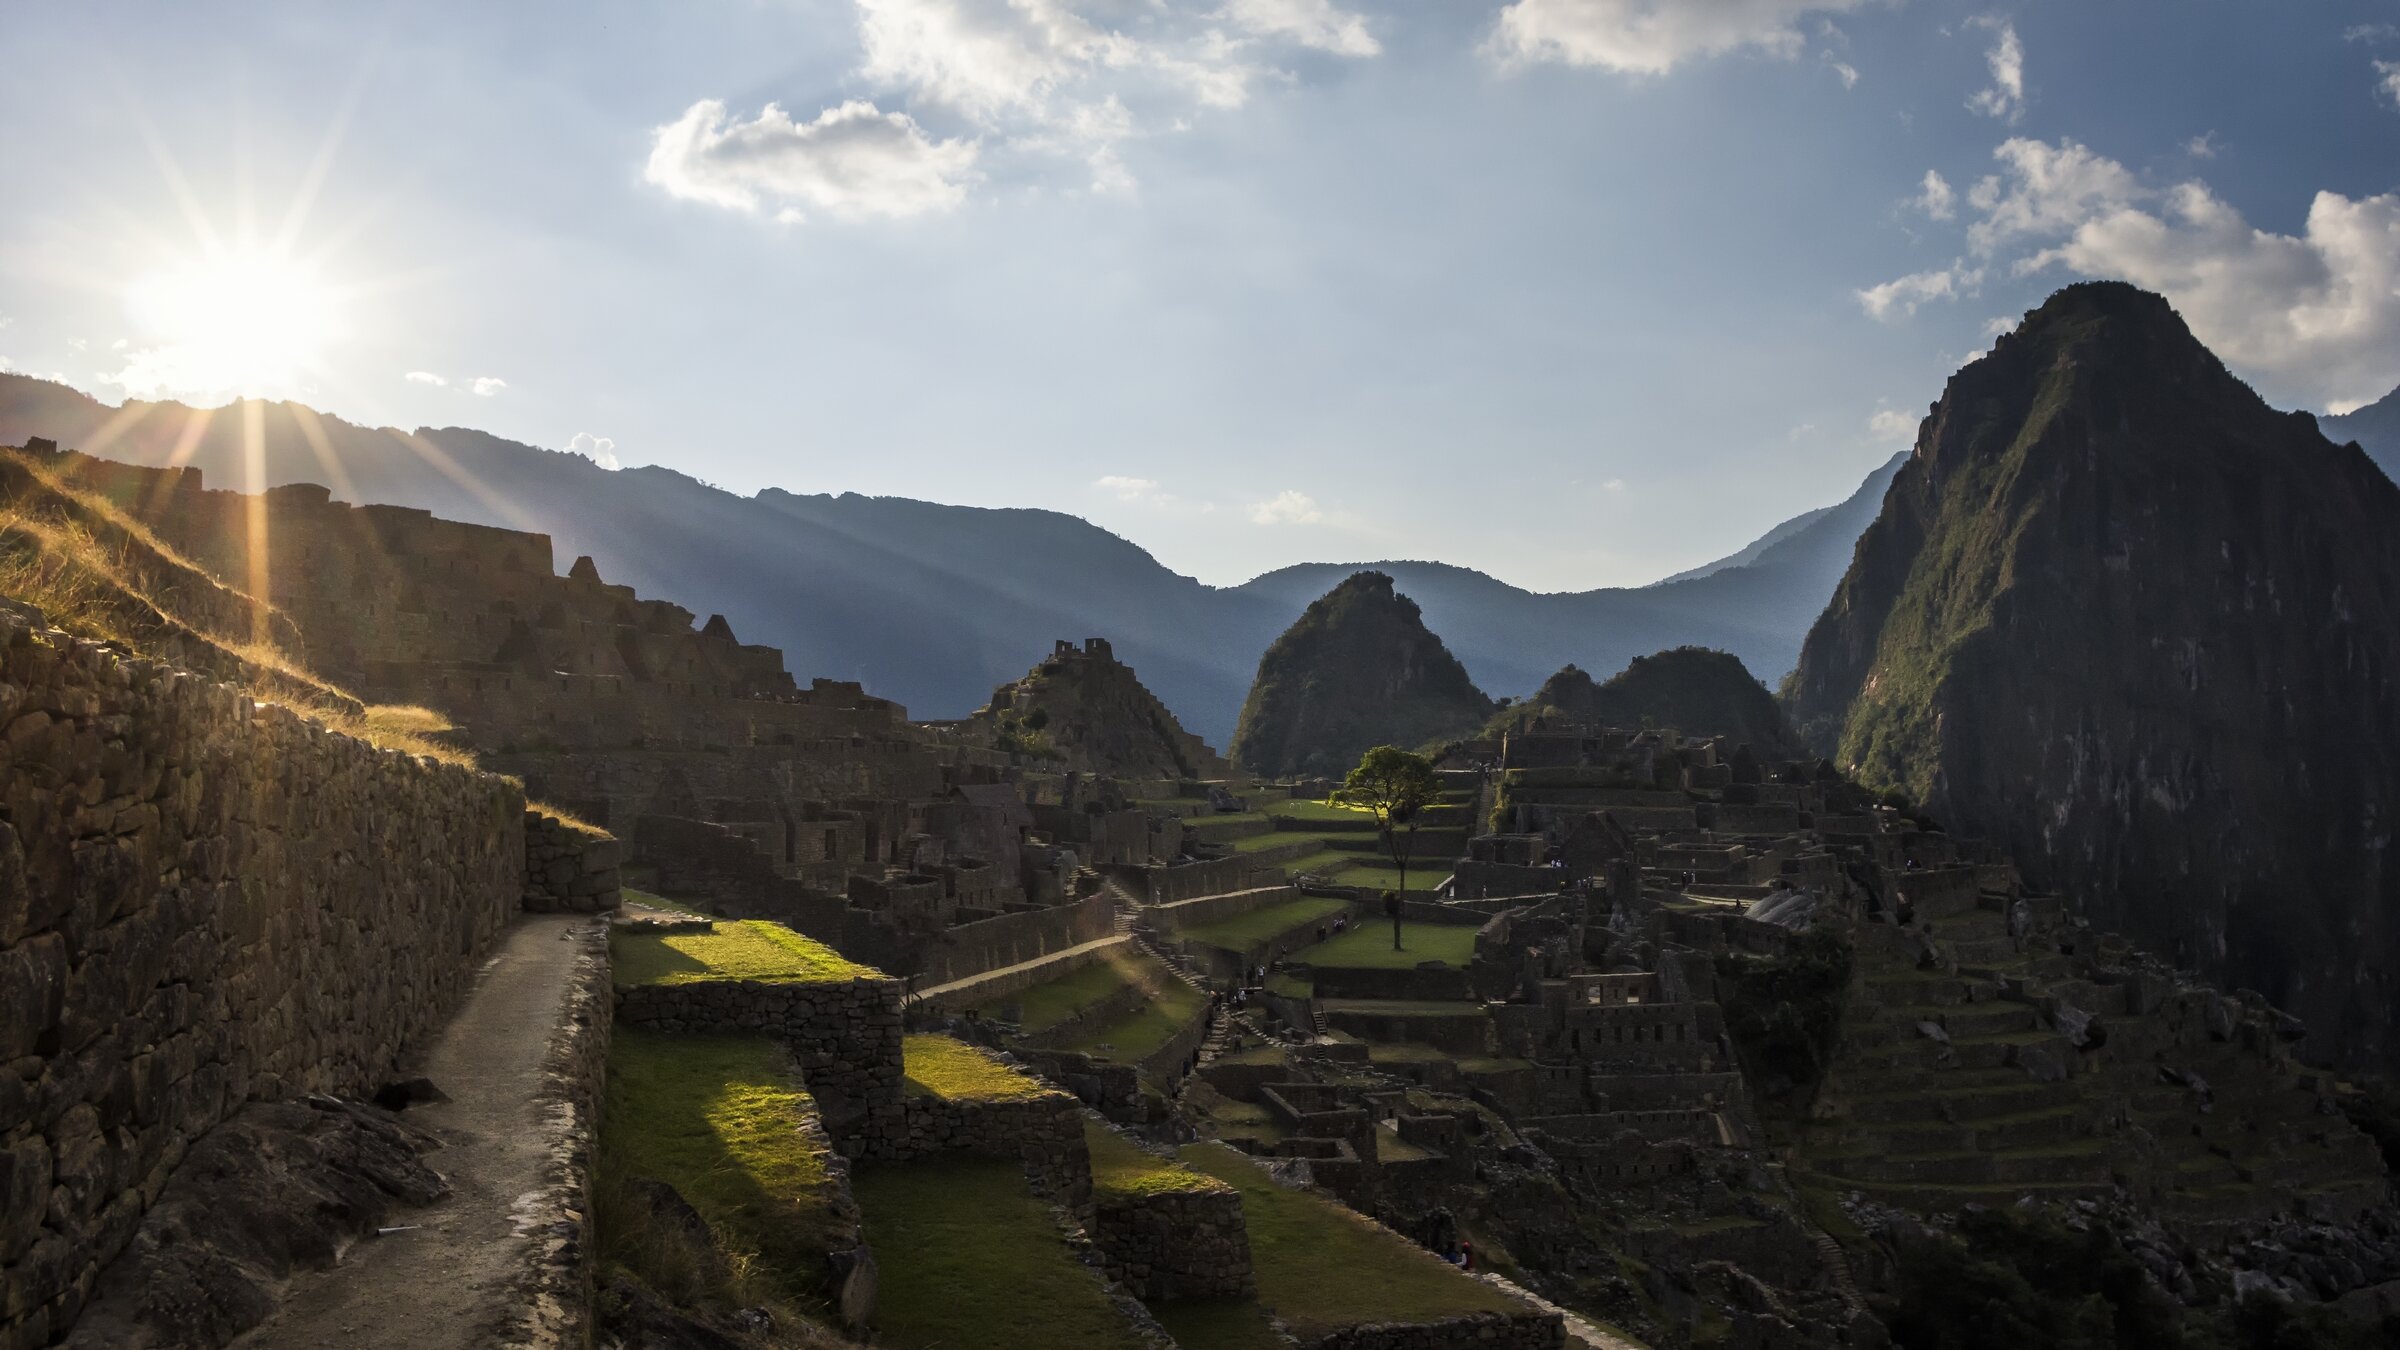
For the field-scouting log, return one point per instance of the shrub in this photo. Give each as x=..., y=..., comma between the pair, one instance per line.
x=1783, y=1010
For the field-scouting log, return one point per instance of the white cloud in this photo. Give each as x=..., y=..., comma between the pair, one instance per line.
x=853, y=161
x=1891, y=424
x=1935, y=197
x=485, y=386
x=1309, y=23
x=79, y=344
x=2005, y=98
x=1651, y=37
x=2319, y=312
x=600, y=450
x=2202, y=146
x=1900, y=298
x=1126, y=489
x=2387, y=81
x=2371, y=32
x=1847, y=72
x=2049, y=190
x=1287, y=507
x=1613, y=485
x=425, y=377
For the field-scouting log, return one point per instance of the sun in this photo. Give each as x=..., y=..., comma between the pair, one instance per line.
x=233, y=322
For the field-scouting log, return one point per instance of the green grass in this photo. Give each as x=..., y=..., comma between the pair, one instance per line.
x=968, y=1257
x=1242, y=931
x=748, y=950
x=1421, y=879
x=1326, y=861
x=1321, y=1267
x=717, y=1118
x=1046, y=1005
x=1368, y=943
x=1141, y=1032
x=1121, y=1168
x=939, y=1066
x=1218, y=1324
x=1259, y=843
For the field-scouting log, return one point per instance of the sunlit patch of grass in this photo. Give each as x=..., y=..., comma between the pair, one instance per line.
x=719, y=1119
x=942, y=1066
x=1121, y=1168
x=749, y=949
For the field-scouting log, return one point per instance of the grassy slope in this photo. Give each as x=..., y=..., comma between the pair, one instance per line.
x=714, y=1117
x=1368, y=943
x=1174, y=1007
x=1321, y=1267
x=969, y=1257
x=750, y=949
x=1120, y=1168
x=1266, y=921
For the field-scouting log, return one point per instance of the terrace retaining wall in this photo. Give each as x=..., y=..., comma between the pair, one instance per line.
x=1174, y=1244
x=203, y=902
x=844, y=1034
x=567, y=869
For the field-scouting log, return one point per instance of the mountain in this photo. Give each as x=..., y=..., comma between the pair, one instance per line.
x=2143, y=630
x=2376, y=429
x=1756, y=604
x=935, y=605
x=1691, y=689
x=1359, y=669
x=1090, y=711
x=1817, y=541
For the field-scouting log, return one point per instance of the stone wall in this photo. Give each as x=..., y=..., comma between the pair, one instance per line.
x=1181, y=914
x=1476, y=1331
x=844, y=1034
x=202, y=902
x=551, y=1307
x=1161, y=885
x=1174, y=1244
x=567, y=868
x=1044, y=1132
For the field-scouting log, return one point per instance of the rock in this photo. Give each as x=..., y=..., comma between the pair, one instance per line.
x=408, y=1092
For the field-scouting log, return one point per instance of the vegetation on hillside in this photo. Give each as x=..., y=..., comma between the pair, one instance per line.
x=1783, y=1011
x=747, y=949
x=1695, y=690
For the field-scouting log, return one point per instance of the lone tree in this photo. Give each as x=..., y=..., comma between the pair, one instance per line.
x=1394, y=785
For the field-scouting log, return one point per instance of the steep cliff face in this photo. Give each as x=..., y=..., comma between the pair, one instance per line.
x=1358, y=670
x=1695, y=690
x=2143, y=630
x=1086, y=708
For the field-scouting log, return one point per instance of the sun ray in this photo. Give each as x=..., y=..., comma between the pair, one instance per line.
x=312, y=430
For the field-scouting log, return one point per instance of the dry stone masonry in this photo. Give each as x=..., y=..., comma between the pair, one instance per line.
x=203, y=902
x=567, y=869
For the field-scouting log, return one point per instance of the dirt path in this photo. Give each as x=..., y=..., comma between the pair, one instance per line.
x=448, y=1280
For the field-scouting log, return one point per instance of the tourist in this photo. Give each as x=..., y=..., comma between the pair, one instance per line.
x=1466, y=1255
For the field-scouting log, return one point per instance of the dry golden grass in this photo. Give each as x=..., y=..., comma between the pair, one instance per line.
x=569, y=819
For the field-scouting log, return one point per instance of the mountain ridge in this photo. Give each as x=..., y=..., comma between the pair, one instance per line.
x=935, y=605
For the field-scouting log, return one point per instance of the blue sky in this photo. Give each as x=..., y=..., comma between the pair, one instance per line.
x=1578, y=292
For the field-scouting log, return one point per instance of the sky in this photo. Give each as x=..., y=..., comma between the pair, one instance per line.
x=1575, y=292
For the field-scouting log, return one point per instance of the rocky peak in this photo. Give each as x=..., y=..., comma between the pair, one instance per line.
x=1357, y=670
x=2142, y=629
x=1084, y=707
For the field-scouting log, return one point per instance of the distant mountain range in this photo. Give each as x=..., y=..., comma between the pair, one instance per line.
x=938, y=605
x=2376, y=428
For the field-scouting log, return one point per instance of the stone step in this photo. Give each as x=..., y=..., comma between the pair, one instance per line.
x=1968, y=1104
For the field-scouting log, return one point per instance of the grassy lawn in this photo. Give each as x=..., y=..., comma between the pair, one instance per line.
x=1421, y=880
x=968, y=1257
x=1259, y=843
x=1321, y=1267
x=1145, y=1029
x=1119, y=1167
x=717, y=1118
x=1218, y=1324
x=939, y=1066
x=1046, y=1005
x=751, y=949
x=1329, y=812
x=1326, y=861
x=1242, y=930
x=1369, y=943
